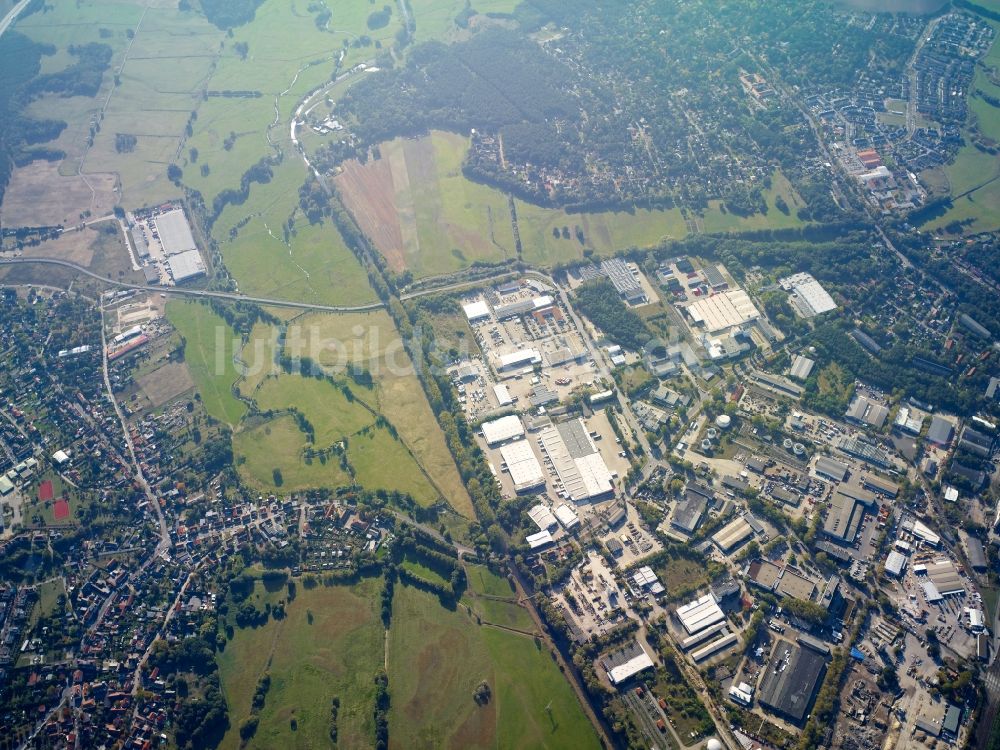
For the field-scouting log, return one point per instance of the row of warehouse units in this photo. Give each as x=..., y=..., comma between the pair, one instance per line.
x=581, y=474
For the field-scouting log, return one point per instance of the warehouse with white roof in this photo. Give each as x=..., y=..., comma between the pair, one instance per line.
x=522, y=465
x=186, y=265
x=700, y=614
x=576, y=460
x=503, y=430
x=808, y=296
x=174, y=232
x=723, y=311
x=476, y=311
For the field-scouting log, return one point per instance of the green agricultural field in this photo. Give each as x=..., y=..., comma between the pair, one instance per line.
x=457, y=221
x=437, y=657
x=715, y=220
x=325, y=406
x=371, y=341
x=382, y=462
x=482, y=580
x=209, y=347
x=604, y=233
x=315, y=266
x=329, y=645
x=436, y=18
x=280, y=444
x=974, y=175
x=258, y=359
x=976, y=212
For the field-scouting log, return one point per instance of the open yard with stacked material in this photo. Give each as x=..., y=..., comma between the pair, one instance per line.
x=329, y=645
x=437, y=658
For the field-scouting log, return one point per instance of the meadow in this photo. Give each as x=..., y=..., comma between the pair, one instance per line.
x=208, y=352
x=974, y=176
x=370, y=340
x=329, y=644
x=279, y=444
x=422, y=213
x=438, y=656
x=314, y=266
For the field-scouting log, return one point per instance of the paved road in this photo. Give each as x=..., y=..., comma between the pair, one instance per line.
x=195, y=293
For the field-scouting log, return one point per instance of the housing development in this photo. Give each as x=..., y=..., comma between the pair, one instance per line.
x=514, y=374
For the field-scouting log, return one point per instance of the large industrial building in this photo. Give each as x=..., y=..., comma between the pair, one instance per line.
x=522, y=465
x=843, y=520
x=174, y=232
x=624, y=280
x=476, y=311
x=577, y=461
x=700, y=614
x=723, y=311
x=865, y=411
x=790, y=680
x=185, y=266
x=807, y=295
x=502, y=430
x=733, y=534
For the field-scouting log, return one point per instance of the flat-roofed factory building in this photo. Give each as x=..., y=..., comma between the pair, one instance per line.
x=790, y=680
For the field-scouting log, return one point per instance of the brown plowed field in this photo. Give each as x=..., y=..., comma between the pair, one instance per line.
x=369, y=194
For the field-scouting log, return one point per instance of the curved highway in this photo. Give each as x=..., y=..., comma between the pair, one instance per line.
x=194, y=293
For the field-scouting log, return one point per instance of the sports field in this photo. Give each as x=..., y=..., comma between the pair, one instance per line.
x=209, y=347
x=329, y=645
x=437, y=657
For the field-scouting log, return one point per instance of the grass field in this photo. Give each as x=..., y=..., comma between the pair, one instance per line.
x=716, y=221
x=974, y=170
x=324, y=405
x=422, y=213
x=604, y=232
x=436, y=659
x=330, y=644
x=209, y=352
x=279, y=444
x=315, y=265
x=371, y=341
x=482, y=580
x=436, y=18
